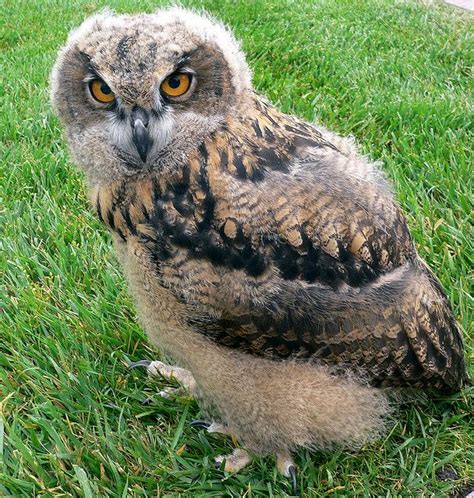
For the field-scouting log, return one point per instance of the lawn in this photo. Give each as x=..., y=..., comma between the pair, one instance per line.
x=396, y=75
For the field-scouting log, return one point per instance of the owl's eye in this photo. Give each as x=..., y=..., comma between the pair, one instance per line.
x=176, y=84
x=101, y=91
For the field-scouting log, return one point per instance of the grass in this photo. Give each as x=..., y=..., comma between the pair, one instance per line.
x=394, y=74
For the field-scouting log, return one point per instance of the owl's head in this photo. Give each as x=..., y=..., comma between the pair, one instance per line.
x=134, y=89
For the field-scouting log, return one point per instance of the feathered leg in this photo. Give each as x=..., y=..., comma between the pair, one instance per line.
x=239, y=458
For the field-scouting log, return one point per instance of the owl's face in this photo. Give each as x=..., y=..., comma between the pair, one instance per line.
x=132, y=90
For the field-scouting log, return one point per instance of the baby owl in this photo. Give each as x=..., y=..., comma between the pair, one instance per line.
x=266, y=256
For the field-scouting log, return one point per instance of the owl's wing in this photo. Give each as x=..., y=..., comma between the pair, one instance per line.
x=318, y=262
x=395, y=327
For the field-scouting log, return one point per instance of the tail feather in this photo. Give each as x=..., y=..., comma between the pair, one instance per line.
x=433, y=334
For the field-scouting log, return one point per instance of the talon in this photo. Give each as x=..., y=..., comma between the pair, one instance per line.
x=200, y=423
x=139, y=363
x=293, y=480
x=147, y=401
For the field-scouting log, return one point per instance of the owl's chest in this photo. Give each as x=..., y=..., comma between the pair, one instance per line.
x=184, y=223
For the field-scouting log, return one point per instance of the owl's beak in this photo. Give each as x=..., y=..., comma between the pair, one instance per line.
x=140, y=134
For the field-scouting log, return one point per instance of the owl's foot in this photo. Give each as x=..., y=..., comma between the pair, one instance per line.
x=286, y=466
x=240, y=458
x=171, y=373
x=235, y=461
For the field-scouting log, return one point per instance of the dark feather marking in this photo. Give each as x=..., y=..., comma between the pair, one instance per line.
x=152, y=47
x=272, y=160
x=184, y=60
x=89, y=64
x=128, y=221
x=209, y=201
x=256, y=264
x=217, y=77
x=313, y=264
x=224, y=159
x=270, y=118
x=310, y=137
x=183, y=204
x=286, y=260
x=257, y=129
x=373, y=255
x=121, y=234
x=146, y=214
x=239, y=165
x=98, y=208
x=209, y=205
x=257, y=174
x=269, y=135
x=110, y=219
x=123, y=47
x=156, y=191
x=204, y=155
x=186, y=176
x=119, y=197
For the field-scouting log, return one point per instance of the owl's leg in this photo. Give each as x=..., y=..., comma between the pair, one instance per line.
x=235, y=461
x=239, y=458
x=182, y=376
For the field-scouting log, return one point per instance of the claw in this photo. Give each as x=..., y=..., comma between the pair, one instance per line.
x=200, y=423
x=293, y=480
x=139, y=363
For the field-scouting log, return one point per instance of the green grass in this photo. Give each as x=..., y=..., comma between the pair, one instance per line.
x=394, y=74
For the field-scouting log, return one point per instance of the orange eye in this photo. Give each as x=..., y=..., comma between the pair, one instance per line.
x=101, y=91
x=176, y=85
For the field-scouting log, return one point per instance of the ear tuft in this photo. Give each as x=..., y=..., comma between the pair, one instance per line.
x=213, y=31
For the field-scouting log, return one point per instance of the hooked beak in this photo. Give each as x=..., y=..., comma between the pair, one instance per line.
x=140, y=134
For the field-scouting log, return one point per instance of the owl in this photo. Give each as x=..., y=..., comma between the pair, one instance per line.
x=267, y=257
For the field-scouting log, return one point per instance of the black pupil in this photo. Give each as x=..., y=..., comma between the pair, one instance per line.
x=174, y=81
x=105, y=89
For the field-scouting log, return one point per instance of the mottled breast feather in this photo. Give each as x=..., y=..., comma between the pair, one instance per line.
x=279, y=249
